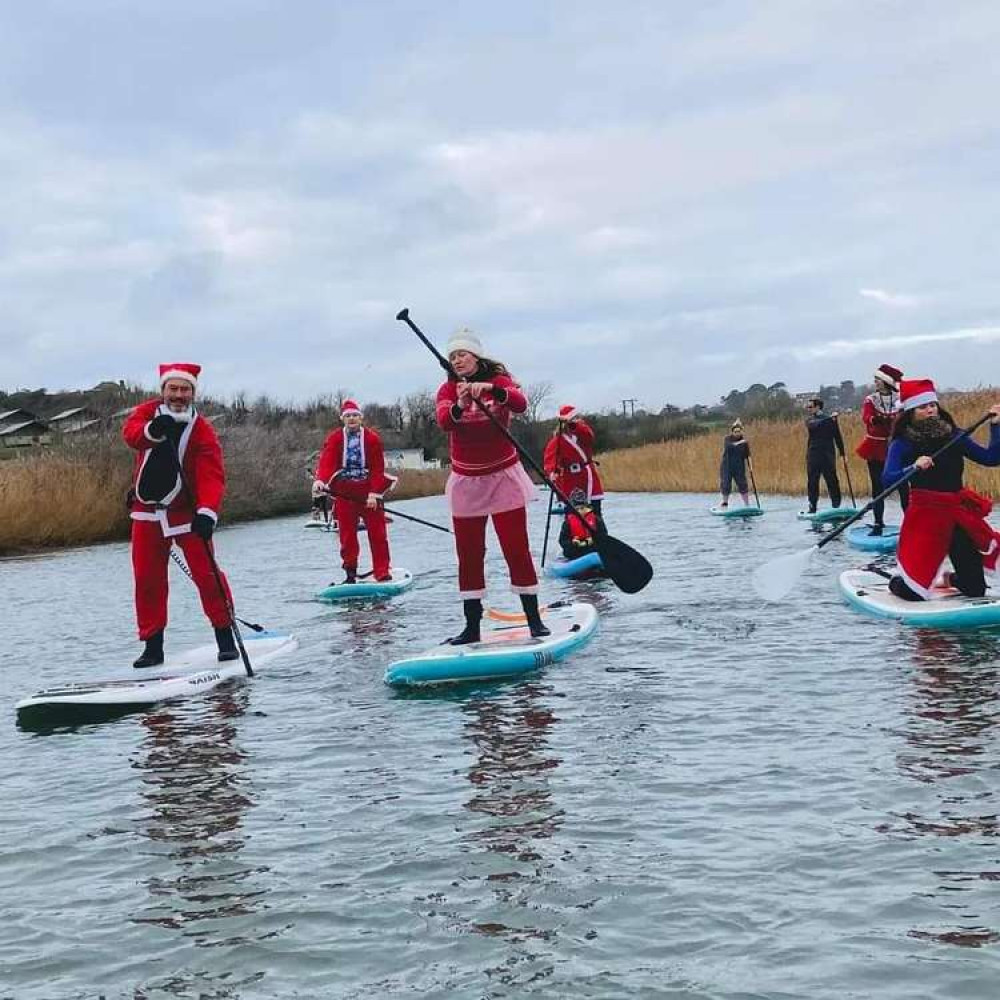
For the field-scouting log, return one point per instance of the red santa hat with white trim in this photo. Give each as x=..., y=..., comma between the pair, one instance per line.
x=568, y=413
x=890, y=375
x=349, y=409
x=180, y=370
x=914, y=392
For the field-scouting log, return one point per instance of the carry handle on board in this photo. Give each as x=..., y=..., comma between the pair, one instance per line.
x=629, y=569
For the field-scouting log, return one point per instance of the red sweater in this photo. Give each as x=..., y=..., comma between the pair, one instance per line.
x=878, y=416
x=476, y=446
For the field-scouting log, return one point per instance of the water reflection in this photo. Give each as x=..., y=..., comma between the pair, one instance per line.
x=950, y=743
x=193, y=779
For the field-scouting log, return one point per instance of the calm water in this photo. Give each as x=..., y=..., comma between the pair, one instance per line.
x=716, y=799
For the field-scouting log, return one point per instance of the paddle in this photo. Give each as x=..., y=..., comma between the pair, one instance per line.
x=774, y=579
x=753, y=481
x=548, y=524
x=847, y=468
x=189, y=496
x=175, y=555
x=630, y=570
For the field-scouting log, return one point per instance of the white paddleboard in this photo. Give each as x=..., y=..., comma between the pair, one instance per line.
x=188, y=673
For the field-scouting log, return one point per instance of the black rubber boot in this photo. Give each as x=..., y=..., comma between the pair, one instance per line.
x=152, y=655
x=227, y=644
x=535, y=624
x=473, y=616
x=351, y=575
x=876, y=529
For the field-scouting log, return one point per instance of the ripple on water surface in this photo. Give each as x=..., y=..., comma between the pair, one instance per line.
x=716, y=798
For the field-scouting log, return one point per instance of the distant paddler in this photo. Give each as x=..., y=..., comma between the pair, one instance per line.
x=944, y=518
x=825, y=441
x=878, y=412
x=733, y=465
x=487, y=480
x=569, y=460
x=167, y=506
x=352, y=468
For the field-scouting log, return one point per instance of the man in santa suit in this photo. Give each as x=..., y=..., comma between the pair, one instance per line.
x=166, y=508
x=569, y=460
x=352, y=467
x=878, y=412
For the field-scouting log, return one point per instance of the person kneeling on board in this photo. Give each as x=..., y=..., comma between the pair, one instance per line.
x=162, y=431
x=733, y=465
x=821, y=459
x=878, y=412
x=569, y=460
x=580, y=529
x=487, y=480
x=943, y=519
x=352, y=467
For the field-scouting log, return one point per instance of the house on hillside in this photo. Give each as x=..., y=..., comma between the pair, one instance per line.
x=79, y=418
x=21, y=429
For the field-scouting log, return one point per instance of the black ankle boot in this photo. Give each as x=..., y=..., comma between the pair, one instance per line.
x=152, y=655
x=226, y=643
x=535, y=624
x=350, y=575
x=473, y=616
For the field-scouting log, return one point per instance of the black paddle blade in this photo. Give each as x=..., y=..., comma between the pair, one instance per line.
x=630, y=570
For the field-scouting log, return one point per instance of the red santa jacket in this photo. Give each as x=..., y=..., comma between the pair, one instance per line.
x=334, y=456
x=156, y=486
x=878, y=414
x=476, y=446
x=569, y=459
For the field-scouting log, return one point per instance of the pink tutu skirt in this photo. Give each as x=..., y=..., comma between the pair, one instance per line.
x=476, y=496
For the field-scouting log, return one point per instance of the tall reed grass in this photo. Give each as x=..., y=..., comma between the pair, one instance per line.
x=778, y=453
x=75, y=494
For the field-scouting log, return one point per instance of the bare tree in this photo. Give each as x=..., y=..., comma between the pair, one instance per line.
x=537, y=394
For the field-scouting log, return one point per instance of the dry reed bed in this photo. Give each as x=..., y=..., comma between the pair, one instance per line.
x=778, y=454
x=76, y=495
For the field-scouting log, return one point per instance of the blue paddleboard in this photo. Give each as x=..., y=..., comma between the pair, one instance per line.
x=587, y=565
x=858, y=536
x=402, y=579
x=827, y=514
x=736, y=511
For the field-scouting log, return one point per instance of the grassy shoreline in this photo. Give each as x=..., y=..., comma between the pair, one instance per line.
x=64, y=497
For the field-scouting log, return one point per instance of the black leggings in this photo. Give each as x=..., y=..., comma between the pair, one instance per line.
x=875, y=468
x=968, y=577
x=824, y=465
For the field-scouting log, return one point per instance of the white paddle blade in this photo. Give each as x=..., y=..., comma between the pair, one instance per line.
x=776, y=578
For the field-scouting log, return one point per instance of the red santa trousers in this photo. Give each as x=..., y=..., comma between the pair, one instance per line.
x=925, y=537
x=511, y=527
x=347, y=513
x=150, y=554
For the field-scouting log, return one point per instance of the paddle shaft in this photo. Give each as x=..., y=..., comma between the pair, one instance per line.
x=189, y=496
x=548, y=524
x=404, y=316
x=753, y=480
x=175, y=555
x=899, y=482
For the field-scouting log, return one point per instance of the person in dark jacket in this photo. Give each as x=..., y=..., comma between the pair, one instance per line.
x=733, y=466
x=825, y=441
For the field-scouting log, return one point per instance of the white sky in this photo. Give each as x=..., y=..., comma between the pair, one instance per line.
x=659, y=200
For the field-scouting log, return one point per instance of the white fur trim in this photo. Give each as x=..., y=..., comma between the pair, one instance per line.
x=177, y=373
x=211, y=513
x=524, y=590
x=921, y=399
x=149, y=437
x=472, y=595
x=924, y=592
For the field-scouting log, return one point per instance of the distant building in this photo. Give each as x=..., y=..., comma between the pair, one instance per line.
x=80, y=418
x=8, y=417
x=24, y=434
x=409, y=458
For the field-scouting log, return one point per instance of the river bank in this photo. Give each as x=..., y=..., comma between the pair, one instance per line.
x=68, y=497
x=778, y=453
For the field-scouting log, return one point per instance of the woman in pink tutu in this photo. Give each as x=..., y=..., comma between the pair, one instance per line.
x=487, y=480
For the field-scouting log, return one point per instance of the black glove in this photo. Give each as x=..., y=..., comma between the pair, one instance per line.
x=203, y=526
x=160, y=425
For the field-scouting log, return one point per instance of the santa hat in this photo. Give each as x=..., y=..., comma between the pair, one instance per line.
x=349, y=409
x=465, y=340
x=890, y=375
x=189, y=373
x=914, y=392
x=568, y=413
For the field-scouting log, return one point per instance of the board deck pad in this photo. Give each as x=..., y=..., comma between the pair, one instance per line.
x=402, y=579
x=869, y=592
x=505, y=651
x=859, y=537
x=192, y=672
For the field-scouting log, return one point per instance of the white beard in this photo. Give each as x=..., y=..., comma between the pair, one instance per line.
x=183, y=417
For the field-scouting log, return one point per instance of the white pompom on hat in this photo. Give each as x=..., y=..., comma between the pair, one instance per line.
x=465, y=340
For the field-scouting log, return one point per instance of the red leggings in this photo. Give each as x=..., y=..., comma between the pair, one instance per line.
x=511, y=527
x=347, y=513
x=150, y=554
